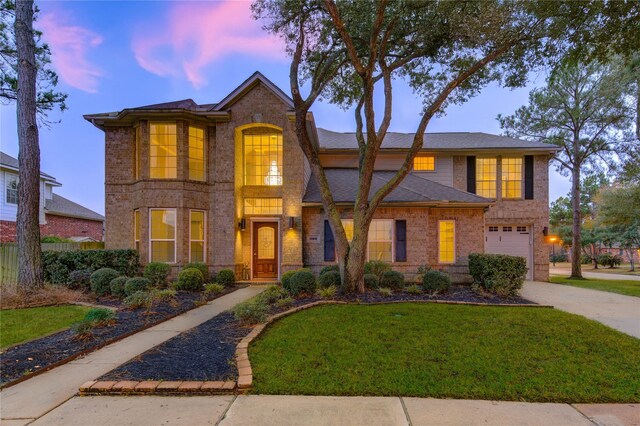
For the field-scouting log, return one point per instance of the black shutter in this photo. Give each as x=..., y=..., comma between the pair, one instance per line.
x=471, y=174
x=528, y=177
x=329, y=243
x=401, y=240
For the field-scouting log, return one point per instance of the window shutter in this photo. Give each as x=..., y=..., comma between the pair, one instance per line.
x=528, y=177
x=471, y=174
x=401, y=240
x=329, y=243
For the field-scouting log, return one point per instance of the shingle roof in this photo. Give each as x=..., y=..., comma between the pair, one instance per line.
x=413, y=189
x=64, y=207
x=9, y=161
x=437, y=141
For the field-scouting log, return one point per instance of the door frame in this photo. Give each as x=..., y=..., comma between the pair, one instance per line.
x=252, y=222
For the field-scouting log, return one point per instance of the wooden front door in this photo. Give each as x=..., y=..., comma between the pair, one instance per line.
x=265, y=250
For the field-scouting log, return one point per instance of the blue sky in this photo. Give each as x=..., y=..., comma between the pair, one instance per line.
x=149, y=52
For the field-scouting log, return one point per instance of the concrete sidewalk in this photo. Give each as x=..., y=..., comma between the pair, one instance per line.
x=595, y=275
x=327, y=410
x=615, y=310
x=32, y=398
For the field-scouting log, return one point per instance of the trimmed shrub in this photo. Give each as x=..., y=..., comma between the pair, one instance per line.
x=136, y=284
x=157, y=273
x=392, y=279
x=139, y=299
x=377, y=268
x=329, y=278
x=57, y=265
x=384, y=291
x=80, y=280
x=436, y=282
x=302, y=282
x=213, y=288
x=117, y=286
x=226, y=277
x=371, y=281
x=101, y=279
x=286, y=277
x=327, y=292
x=189, y=279
x=99, y=316
x=200, y=267
x=498, y=273
x=252, y=311
x=272, y=294
x=413, y=289
x=329, y=268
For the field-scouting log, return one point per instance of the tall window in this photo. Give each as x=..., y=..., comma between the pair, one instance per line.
x=381, y=240
x=163, y=151
x=197, y=168
x=163, y=235
x=197, y=236
x=446, y=243
x=12, y=189
x=512, y=177
x=136, y=229
x=424, y=163
x=486, y=169
x=262, y=157
x=136, y=157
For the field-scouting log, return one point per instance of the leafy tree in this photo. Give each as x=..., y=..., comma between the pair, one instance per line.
x=26, y=79
x=349, y=52
x=583, y=110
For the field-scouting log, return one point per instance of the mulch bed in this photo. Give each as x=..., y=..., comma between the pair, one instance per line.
x=38, y=355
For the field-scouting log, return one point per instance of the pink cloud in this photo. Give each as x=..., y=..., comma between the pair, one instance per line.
x=70, y=45
x=196, y=34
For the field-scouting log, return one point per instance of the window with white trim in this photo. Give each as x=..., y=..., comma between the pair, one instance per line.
x=512, y=177
x=380, y=245
x=162, y=237
x=197, y=236
x=486, y=172
x=446, y=241
x=197, y=168
x=424, y=163
x=136, y=229
x=12, y=189
x=163, y=151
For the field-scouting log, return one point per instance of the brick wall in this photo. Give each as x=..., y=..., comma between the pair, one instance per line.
x=59, y=226
x=422, y=237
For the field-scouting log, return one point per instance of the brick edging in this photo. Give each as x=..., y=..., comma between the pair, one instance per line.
x=245, y=372
x=155, y=387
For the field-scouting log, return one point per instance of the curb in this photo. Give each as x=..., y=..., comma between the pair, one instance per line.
x=245, y=372
x=148, y=387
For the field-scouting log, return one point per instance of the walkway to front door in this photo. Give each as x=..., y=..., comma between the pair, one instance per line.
x=265, y=250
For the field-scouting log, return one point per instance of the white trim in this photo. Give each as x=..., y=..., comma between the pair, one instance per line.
x=204, y=154
x=204, y=242
x=253, y=220
x=135, y=229
x=175, y=233
x=440, y=262
x=393, y=238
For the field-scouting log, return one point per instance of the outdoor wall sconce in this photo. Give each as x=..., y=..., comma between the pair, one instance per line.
x=545, y=231
x=242, y=224
x=292, y=222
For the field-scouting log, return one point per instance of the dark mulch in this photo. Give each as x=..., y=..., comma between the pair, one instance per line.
x=205, y=352
x=40, y=354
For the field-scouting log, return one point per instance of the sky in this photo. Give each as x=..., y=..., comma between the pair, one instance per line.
x=111, y=55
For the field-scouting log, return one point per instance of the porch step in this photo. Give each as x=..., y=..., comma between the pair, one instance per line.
x=258, y=282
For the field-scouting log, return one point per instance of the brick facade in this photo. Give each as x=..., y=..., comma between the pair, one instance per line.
x=58, y=226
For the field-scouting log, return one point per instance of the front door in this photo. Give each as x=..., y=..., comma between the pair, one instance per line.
x=265, y=250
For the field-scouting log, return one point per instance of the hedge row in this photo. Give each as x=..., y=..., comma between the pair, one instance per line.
x=58, y=265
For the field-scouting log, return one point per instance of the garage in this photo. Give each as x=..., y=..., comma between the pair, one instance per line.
x=514, y=240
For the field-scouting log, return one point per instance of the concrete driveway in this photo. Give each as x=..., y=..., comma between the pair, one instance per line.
x=615, y=310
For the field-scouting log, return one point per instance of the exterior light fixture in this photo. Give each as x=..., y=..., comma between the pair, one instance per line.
x=273, y=177
x=292, y=222
x=545, y=231
x=242, y=224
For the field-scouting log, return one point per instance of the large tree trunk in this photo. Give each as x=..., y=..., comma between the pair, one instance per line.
x=576, y=266
x=352, y=268
x=28, y=220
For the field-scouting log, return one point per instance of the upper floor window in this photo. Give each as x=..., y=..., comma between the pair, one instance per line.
x=197, y=169
x=512, y=177
x=163, y=151
x=162, y=237
x=263, y=206
x=486, y=170
x=12, y=189
x=262, y=157
x=424, y=163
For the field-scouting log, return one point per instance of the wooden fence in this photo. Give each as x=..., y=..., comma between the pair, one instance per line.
x=9, y=256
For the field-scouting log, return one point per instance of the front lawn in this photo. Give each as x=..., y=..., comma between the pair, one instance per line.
x=19, y=325
x=627, y=287
x=446, y=351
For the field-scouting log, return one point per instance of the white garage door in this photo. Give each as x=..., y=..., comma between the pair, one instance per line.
x=514, y=240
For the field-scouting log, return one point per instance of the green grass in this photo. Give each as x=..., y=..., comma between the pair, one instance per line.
x=445, y=351
x=19, y=325
x=626, y=287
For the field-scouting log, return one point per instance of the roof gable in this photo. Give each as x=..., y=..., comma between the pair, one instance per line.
x=256, y=78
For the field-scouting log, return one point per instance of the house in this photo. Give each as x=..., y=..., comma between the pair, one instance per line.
x=227, y=184
x=58, y=216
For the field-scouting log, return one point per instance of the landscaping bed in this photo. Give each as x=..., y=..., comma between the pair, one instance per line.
x=38, y=355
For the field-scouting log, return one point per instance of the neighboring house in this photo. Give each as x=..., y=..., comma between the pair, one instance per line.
x=58, y=216
x=227, y=184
